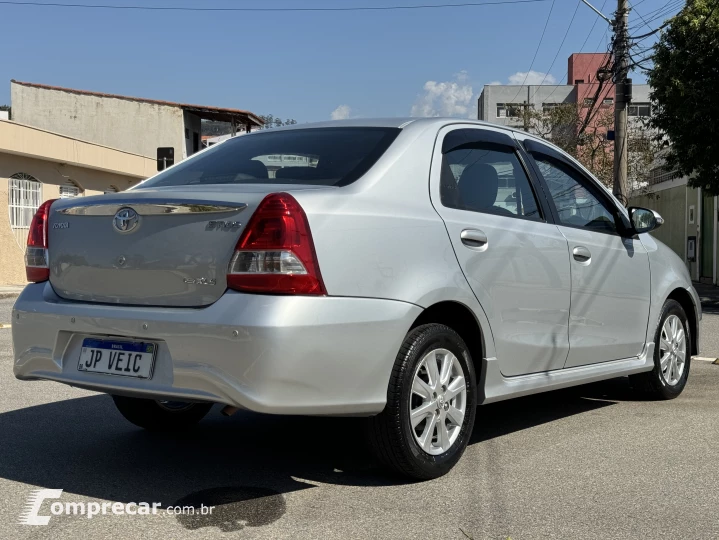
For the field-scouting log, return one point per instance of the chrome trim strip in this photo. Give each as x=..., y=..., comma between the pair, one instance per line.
x=153, y=207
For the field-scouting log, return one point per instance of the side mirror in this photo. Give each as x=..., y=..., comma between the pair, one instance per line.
x=645, y=220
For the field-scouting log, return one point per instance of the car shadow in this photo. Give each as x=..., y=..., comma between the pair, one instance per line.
x=243, y=464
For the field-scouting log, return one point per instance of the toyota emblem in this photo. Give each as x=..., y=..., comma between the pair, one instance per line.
x=125, y=220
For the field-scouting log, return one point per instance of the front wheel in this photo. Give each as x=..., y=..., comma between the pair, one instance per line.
x=672, y=355
x=431, y=402
x=161, y=415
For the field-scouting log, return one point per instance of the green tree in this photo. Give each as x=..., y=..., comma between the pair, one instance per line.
x=684, y=81
x=271, y=121
x=582, y=133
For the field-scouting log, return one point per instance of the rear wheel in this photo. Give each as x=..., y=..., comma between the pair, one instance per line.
x=431, y=403
x=161, y=415
x=672, y=355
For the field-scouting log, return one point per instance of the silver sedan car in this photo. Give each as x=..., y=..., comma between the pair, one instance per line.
x=406, y=270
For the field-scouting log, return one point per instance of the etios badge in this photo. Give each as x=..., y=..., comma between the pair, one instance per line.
x=125, y=220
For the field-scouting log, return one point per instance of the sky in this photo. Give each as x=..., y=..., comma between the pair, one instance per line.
x=309, y=66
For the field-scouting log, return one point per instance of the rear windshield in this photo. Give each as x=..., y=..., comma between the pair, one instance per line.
x=319, y=156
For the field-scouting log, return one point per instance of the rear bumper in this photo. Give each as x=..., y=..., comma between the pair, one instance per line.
x=270, y=354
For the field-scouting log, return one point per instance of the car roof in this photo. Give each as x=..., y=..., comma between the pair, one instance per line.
x=398, y=122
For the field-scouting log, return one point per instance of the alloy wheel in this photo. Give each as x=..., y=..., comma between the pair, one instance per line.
x=438, y=401
x=672, y=350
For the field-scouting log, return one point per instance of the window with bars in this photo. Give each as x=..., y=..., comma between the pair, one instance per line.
x=67, y=192
x=24, y=198
x=661, y=174
x=639, y=109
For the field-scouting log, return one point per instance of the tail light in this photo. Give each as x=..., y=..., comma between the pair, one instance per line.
x=275, y=253
x=37, y=265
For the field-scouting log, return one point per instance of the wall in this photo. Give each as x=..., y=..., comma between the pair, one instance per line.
x=672, y=204
x=537, y=95
x=52, y=175
x=12, y=256
x=132, y=126
x=193, y=124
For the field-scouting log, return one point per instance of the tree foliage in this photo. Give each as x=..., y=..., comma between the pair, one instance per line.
x=214, y=128
x=271, y=121
x=582, y=137
x=582, y=133
x=684, y=81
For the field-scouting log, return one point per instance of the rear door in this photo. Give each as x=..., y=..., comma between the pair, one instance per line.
x=514, y=260
x=610, y=273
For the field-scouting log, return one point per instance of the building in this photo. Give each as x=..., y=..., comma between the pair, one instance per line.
x=690, y=221
x=63, y=142
x=37, y=165
x=502, y=104
x=135, y=125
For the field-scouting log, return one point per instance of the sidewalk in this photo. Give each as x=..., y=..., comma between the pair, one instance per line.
x=10, y=291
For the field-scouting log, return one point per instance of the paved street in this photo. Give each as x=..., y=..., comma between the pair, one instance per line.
x=590, y=462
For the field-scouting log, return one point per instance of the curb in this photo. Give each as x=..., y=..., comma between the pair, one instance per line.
x=705, y=359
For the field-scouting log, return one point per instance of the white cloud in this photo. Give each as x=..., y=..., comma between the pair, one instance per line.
x=462, y=76
x=449, y=98
x=341, y=113
x=494, y=83
x=532, y=77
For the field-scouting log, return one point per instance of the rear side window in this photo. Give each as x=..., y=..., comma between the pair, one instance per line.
x=488, y=178
x=319, y=156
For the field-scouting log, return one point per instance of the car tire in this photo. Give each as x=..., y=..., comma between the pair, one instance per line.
x=672, y=355
x=426, y=424
x=161, y=415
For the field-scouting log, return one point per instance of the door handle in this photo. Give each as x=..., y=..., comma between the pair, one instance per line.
x=581, y=254
x=474, y=239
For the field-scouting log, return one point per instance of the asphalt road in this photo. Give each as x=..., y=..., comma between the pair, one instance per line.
x=589, y=462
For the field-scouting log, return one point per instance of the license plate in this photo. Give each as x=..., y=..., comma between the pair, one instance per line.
x=126, y=358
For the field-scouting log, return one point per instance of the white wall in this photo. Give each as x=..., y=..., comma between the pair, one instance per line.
x=124, y=124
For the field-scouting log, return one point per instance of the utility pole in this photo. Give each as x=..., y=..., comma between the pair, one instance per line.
x=622, y=97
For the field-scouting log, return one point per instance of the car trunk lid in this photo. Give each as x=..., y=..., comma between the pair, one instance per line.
x=159, y=247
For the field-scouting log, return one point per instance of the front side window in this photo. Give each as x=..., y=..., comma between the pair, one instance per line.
x=576, y=205
x=320, y=156
x=487, y=178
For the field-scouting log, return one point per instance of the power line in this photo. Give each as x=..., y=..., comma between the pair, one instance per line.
x=258, y=9
x=546, y=23
x=589, y=34
x=662, y=12
x=640, y=15
x=664, y=25
x=546, y=74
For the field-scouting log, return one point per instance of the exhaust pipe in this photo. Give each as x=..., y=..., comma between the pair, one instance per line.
x=229, y=410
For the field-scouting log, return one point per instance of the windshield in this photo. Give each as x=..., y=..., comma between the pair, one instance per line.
x=319, y=156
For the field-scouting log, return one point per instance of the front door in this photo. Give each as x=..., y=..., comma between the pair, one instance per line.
x=515, y=262
x=609, y=307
